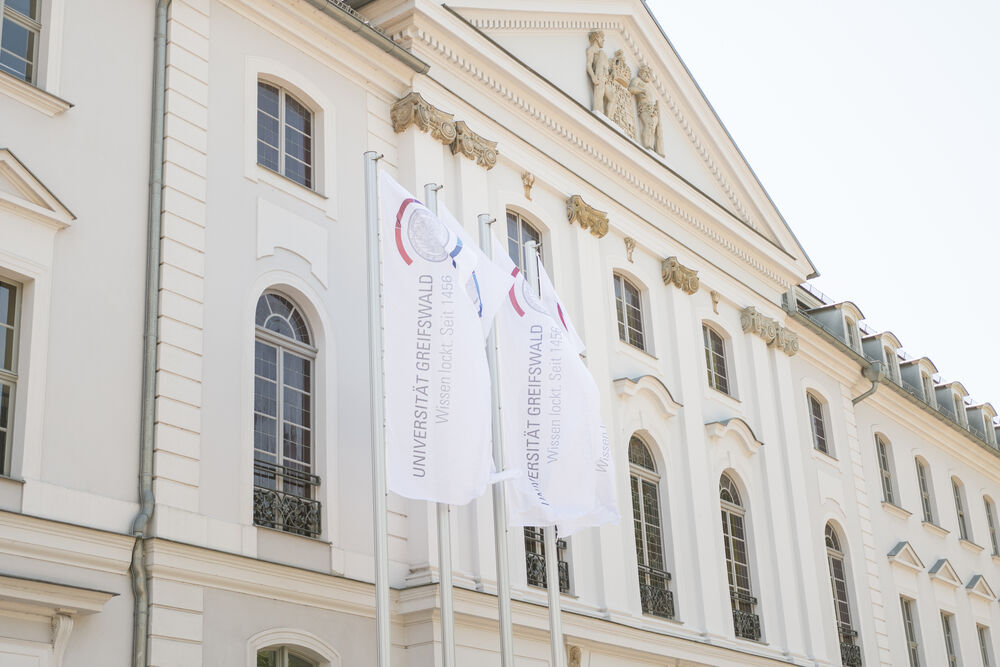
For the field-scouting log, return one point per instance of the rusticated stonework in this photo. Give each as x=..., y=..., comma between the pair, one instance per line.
x=677, y=274
x=474, y=147
x=587, y=216
x=769, y=330
x=414, y=110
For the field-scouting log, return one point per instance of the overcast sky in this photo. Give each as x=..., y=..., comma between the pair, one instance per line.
x=874, y=127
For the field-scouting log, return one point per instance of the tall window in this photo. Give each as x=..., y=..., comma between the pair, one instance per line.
x=284, y=134
x=9, y=295
x=746, y=622
x=818, y=424
x=850, y=652
x=950, y=647
x=284, y=483
x=958, y=491
x=910, y=628
x=926, y=499
x=657, y=599
x=885, y=471
x=715, y=359
x=534, y=559
x=985, y=648
x=928, y=384
x=960, y=411
x=991, y=522
x=519, y=232
x=852, y=333
x=282, y=657
x=20, y=34
x=628, y=302
x=890, y=364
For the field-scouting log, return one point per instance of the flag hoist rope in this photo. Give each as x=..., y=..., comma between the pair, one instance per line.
x=551, y=554
x=383, y=619
x=499, y=496
x=444, y=527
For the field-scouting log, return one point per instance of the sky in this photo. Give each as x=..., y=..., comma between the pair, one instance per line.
x=875, y=128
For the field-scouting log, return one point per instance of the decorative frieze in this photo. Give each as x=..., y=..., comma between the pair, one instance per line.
x=528, y=181
x=629, y=247
x=414, y=110
x=679, y=275
x=474, y=147
x=587, y=216
x=770, y=330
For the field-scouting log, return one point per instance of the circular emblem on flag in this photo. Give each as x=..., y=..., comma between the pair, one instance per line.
x=531, y=298
x=428, y=236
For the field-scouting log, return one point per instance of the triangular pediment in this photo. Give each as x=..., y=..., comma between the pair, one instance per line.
x=22, y=192
x=978, y=586
x=553, y=39
x=943, y=571
x=903, y=555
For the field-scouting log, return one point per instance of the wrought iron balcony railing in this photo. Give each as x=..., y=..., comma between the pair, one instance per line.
x=282, y=499
x=850, y=651
x=746, y=623
x=536, y=572
x=657, y=598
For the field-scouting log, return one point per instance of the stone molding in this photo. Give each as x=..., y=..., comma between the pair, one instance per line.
x=587, y=216
x=473, y=146
x=413, y=109
x=770, y=330
x=679, y=275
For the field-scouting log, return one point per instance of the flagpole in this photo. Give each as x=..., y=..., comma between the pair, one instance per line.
x=443, y=527
x=383, y=619
x=499, y=497
x=551, y=552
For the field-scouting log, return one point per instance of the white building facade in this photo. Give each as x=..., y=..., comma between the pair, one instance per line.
x=182, y=303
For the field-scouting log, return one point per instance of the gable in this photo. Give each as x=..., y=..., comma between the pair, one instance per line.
x=978, y=586
x=943, y=571
x=903, y=555
x=23, y=193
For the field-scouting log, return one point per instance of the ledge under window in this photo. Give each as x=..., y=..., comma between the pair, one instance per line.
x=31, y=95
x=826, y=457
x=970, y=545
x=936, y=529
x=895, y=509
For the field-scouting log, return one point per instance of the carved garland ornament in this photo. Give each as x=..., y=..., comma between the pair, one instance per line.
x=770, y=330
x=684, y=278
x=413, y=109
x=588, y=216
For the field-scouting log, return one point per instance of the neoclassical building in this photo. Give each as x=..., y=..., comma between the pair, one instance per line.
x=185, y=471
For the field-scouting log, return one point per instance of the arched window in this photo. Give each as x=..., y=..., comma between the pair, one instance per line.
x=715, y=360
x=284, y=483
x=926, y=492
x=991, y=521
x=817, y=421
x=519, y=232
x=628, y=303
x=958, y=490
x=284, y=134
x=885, y=469
x=282, y=656
x=746, y=622
x=657, y=599
x=850, y=652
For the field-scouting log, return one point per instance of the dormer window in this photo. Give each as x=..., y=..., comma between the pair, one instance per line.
x=928, y=385
x=852, y=333
x=891, y=369
x=960, y=415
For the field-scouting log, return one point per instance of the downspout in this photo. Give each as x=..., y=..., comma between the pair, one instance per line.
x=873, y=373
x=141, y=523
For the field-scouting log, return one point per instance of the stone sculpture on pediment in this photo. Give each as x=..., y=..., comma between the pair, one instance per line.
x=599, y=72
x=651, y=136
x=621, y=108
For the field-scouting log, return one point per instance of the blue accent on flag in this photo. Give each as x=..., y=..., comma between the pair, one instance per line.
x=454, y=253
x=479, y=294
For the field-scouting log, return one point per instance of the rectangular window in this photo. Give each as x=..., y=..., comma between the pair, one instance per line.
x=818, y=425
x=991, y=520
x=985, y=645
x=963, y=529
x=628, y=305
x=284, y=134
x=20, y=34
x=949, y=640
x=909, y=626
x=852, y=333
x=9, y=303
x=534, y=559
x=715, y=360
x=925, y=493
x=928, y=388
x=884, y=470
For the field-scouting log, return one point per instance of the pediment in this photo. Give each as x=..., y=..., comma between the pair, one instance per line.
x=978, y=586
x=652, y=387
x=735, y=428
x=903, y=555
x=22, y=192
x=552, y=41
x=943, y=571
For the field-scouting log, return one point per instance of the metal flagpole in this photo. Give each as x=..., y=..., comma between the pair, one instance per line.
x=551, y=553
x=383, y=620
x=499, y=496
x=444, y=527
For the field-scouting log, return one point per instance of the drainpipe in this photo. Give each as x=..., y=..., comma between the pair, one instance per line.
x=873, y=373
x=141, y=523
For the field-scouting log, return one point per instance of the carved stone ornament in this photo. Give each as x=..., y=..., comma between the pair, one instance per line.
x=620, y=107
x=575, y=656
x=651, y=136
x=684, y=278
x=716, y=297
x=527, y=180
x=629, y=247
x=770, y=330
x=474, y=147
x=588, y=216
x=413, y=109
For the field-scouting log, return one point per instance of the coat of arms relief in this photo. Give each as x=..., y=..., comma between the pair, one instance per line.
x=626, y=99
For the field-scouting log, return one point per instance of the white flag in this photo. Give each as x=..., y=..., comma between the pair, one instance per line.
x=556, y=310
x=437, y=402
x=550, y=414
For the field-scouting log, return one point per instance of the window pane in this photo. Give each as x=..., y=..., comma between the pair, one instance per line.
x=267, y=99
x=27, y=8
x=7, y=298
x=17, y=49
x=296, y=661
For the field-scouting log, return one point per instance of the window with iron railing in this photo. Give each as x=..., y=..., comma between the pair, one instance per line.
x=534, y=559
x=746, y=622
x=850, y=651
x=654, y=580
